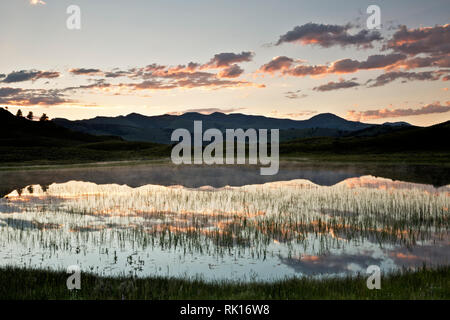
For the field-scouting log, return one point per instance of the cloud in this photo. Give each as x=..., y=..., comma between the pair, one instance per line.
x=288, y=66
x=165, y=80
x=156, y=70
x=295, y=94
x=37, y=2
x=85, y=71
x=406, y=44
x=188, y=80
x=327, y=35
x=192, y=75
x=430, y=40
x=212, y=82
x=279, y=63
x=152, y=77
x=116, y=74
x=232, y=71
x=5, y=92
x=393, y=113
x=343, y=84
x=98, y=84
x=301, y=114
x=205, y=111
x=302, y=70
x=151, y=85
x=161, y=77
x=425, y=47
x=423, y=62
x=389, y=77
x=225, y=59
x=32, y=97
x=328, y=264
x=25, y=75
x=377, y=61
x=164, y=77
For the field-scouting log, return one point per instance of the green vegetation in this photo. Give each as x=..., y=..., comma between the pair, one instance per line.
x=83, y=153
x=23, y=142
x=410, y=144
x=410, y=158
x=19, y=283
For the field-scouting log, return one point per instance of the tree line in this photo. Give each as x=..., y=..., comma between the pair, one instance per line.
x=30, y=116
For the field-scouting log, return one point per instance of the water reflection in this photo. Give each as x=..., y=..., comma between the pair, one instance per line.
x=255, y=231
x=218, y=176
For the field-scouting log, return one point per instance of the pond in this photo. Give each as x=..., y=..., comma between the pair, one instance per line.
x=226, y=222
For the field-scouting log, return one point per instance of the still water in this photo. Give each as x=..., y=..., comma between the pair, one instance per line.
x=225, y=222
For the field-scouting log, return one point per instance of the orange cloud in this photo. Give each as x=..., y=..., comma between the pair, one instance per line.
x=37, y=2
x=429, y=40
x=232, y=71
x=327, y=35
x=393, y=113
x=287, y=66
x=277, y=64
x=226, y=59
x=32, y=97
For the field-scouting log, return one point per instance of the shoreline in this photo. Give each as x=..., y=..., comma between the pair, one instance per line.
x=328, y=159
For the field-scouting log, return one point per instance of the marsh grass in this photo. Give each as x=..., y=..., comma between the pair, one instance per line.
x=237, y=216
x=17, y=283
x=299, y=217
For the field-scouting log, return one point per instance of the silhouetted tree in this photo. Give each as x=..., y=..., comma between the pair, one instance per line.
x=30, y=115
x=43, y=117
x=19, y=113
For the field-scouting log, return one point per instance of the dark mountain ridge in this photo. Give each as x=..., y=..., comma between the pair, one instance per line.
x=23, y=140
x=19, y=131
x=137, y=127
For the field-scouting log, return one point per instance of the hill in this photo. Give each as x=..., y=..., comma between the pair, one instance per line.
x=22, y=140
x=19, y=131
x=402, y=140
x=137, y=127
x=28, y=142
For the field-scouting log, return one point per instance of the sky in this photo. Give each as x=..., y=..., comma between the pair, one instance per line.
x=280, y=58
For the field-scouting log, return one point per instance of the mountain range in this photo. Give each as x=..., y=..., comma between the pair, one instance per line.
x=137, y=127
x=324, y=136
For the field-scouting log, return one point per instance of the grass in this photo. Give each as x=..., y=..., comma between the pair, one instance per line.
x=40, y=165
x=92, y=152
x=294, y=214
x=24, y=284
x=74, y=157
x=417, y=158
